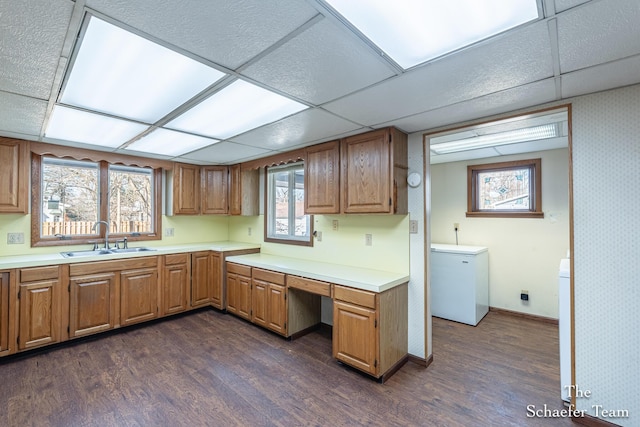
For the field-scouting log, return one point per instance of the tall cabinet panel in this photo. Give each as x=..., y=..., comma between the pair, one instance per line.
x=14, y=177
x=215, y=190
x=4, y=312
x=244, y=191
x=322, y=178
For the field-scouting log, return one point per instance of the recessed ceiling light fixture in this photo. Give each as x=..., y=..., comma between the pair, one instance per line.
x=170, y=142
x=414, y=31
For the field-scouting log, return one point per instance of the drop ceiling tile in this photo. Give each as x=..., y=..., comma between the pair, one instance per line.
x=597, y=33
x=602, y=77
x=496, y=103
x=31, y=37
x=562, y=5
x=228, y=33
x=21, y=114
x=331, y=138
x=323, y=63
x=300, y=129
x=223, y=153
x=513, y=59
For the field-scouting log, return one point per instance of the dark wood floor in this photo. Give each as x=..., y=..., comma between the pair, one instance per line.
x=211, y=369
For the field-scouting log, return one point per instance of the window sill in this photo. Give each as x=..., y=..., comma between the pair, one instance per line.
x=289, y=241
x=505, y=215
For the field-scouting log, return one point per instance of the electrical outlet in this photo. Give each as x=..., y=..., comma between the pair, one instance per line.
x=368, y=239
x=524, y=296
x=15, y=238
x=456, y=226
x=335, y=225
x=413, y=226
x=168, y=232
x=248, y=231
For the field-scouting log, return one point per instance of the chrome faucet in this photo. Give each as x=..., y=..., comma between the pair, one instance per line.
x=106, y=232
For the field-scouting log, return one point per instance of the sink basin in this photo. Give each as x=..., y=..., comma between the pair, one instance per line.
x=80, y=254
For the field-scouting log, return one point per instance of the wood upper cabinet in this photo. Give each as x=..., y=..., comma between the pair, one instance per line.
x=268, y=300
x=201, y=278
x=176, y=278
x=374, y=172
x=214, y=190
x=322, y=178
x=138, y=295
x=370, y=329
x=4, y=312
x=186, y=189
x=92, y=304
x=239, y=290
x=244, y=191
x=40, y=302
x=14, y=176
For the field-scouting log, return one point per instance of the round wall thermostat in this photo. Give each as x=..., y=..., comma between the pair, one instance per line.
x=414, y=179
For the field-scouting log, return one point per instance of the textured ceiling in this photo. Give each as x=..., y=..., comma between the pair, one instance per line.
x=297, y=49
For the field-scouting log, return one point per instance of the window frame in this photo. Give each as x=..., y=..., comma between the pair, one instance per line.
x=535, y=191
x=270, y=205
x=38, y=240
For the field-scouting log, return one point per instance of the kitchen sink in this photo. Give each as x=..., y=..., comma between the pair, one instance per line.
x=80, y=254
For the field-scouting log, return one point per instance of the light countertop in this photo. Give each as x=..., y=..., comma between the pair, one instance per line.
x=34, y=260
x=458, y=249
x=355, y=277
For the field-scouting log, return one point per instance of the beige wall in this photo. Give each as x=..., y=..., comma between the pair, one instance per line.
x=524, y=253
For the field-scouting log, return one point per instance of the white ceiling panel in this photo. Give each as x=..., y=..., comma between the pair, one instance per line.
x=21, y=114
x=514, y=59
x=495, y=103
x=228, y=33
x=224, y=152
x=597, y=33
x=326, y=139
x=321, y=64
x=530, y=146
x=31, y=37
x=602, y=77
x=562, y=5
x=297, y=130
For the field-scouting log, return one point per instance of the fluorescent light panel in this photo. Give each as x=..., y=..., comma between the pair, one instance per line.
x=551, y=130
x=80, y=126
x=123, y=74
x=414, y=31
x=170, y=143
x=237, y=108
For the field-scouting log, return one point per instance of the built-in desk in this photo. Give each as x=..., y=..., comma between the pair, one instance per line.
x=369, y=306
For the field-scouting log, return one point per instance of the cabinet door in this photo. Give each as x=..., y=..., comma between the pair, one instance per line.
x=14, y=175
x=138, y=295
x=366, y=173
x=232, y=293
x=200, y=279
x=259, y=303
x=239, y=295
x=215, y=190
x=322, y=179
x=186, y=189
x=4, y=312
x=93, y=304
x=244, y=191
x=355, y=340
x=276, y=308
x=175, y=287
x=217, y=288
x=39, y=316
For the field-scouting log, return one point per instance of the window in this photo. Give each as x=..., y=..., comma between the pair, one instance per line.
x=71, y=196
x=508, y=189
x=285, y=218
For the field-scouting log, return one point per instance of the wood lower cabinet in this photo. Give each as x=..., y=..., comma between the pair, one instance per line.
x=4, y=312
x=201, y=279
x=92, y=304
x=239, y=290
x=370, y=329
x=269, y=300
x=138, y=295
x=217, y=280
x=176, y=277
x=40, y=307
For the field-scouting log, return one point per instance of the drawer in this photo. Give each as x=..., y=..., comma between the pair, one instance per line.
x=355, y=296
x=114, y=265
x=39, y=273
x=243, y=270
x=309, y=285
x=176, y=259
x=268, y=276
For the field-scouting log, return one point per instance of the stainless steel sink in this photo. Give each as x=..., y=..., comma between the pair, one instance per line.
x=80, y=254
